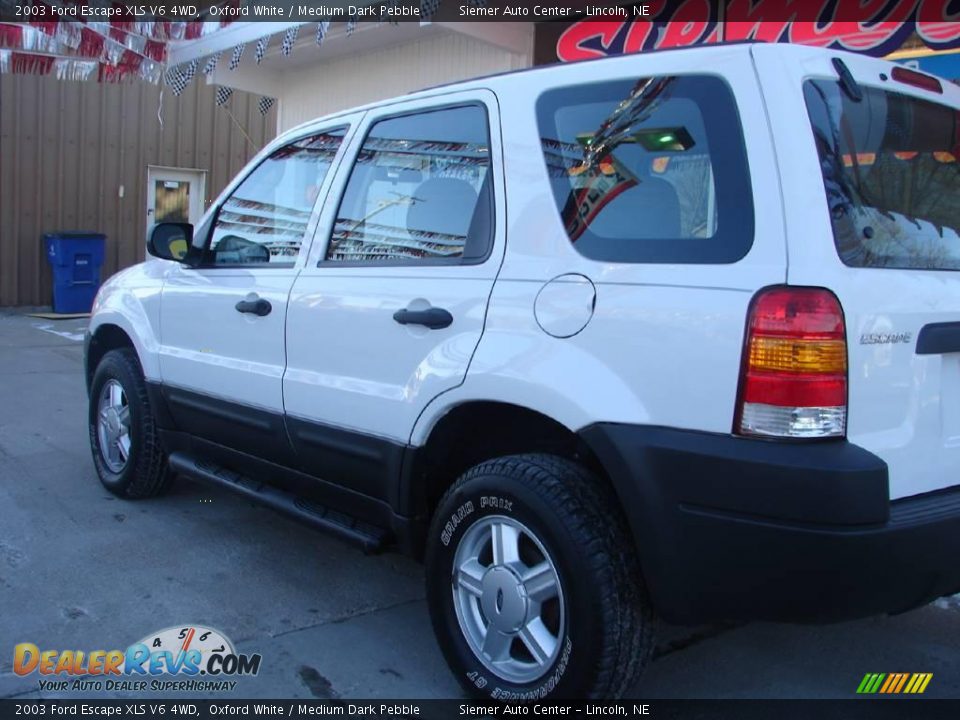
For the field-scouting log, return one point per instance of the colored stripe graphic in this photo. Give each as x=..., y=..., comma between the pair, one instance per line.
x=892, y=680
x=870, y=683
x=894, y=683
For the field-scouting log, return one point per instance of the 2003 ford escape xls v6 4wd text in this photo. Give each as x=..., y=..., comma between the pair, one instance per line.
x=669, y=335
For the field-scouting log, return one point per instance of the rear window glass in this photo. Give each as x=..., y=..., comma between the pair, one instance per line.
x=649, y=170
x=891, y=176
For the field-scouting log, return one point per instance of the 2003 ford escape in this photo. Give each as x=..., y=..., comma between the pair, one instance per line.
x=669, y=335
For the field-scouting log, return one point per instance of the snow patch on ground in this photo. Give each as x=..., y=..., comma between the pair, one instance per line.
x=76, y=337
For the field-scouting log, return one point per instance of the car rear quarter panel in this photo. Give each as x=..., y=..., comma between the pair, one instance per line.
x=664, y=343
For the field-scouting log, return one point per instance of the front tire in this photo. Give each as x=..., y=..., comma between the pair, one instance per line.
x=533, y=585
x=127, y=452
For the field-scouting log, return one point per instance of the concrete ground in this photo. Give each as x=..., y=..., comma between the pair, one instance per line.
x=81, y=569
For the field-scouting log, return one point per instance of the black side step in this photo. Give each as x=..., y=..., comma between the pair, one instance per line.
x=370, y=538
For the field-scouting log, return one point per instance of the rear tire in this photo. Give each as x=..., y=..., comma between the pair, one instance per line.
x=127, y=452
x=533, y=584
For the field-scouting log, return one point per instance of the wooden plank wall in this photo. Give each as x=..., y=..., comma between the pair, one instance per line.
x=67, y=147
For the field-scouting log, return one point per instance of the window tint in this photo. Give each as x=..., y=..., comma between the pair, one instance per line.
x=649, y=170
x=419, y=192
x=264, y=220
x=891, y=176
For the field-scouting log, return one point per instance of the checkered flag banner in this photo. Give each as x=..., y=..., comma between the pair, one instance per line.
x=394, y=4
x=351, y=24
x=265, y=104
x=174, y=78
x=261, y=48
x=237, y=54
x=179, y=77
x=289, y=38
x=428, y=8
x=223, y=94
x=322, y=31
x=211, y=64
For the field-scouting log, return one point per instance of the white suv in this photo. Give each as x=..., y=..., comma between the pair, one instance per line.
x=673, y=334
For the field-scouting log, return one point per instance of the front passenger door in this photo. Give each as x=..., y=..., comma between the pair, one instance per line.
x=223, y=323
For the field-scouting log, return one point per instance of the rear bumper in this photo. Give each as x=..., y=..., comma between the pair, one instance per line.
x=736, y=529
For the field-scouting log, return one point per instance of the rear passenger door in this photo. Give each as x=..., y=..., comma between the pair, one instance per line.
x=391, y=304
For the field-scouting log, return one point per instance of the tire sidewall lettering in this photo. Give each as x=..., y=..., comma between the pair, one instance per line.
x=454, y=521
x=467, y=508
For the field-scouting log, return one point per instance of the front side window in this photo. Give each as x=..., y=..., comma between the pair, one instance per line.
x=649, y=170
x=264, y=220
x=891, y=176
x=419, y=192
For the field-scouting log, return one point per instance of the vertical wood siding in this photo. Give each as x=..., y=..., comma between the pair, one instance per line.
x=67, y=147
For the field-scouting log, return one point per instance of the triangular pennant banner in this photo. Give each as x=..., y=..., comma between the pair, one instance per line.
x=289, y=38
x=261, y=48
x=192, y=68
x=428, y=8
x=235, y=58
x=223, y=94
x=265, y=104
x=322, y=31
x=211, y=64
x=179, y=76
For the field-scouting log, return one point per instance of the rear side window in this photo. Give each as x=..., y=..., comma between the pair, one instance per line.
x=419, y=192
x=891, y=176
x=651, y=170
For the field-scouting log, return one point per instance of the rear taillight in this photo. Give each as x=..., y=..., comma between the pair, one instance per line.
x=793, y=381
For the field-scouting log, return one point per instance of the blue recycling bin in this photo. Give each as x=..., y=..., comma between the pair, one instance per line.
x=76, y=259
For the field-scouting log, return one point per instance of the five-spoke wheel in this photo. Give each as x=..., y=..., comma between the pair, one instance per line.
x=113, y=426
x=534, y=588
x=127, y=450
x=508, y=598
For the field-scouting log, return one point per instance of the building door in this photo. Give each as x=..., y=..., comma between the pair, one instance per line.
x=174, y=195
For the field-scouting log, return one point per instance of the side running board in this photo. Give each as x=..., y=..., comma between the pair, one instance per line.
x=370, y=538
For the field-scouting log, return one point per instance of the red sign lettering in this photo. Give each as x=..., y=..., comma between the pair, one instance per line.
x=874, y=27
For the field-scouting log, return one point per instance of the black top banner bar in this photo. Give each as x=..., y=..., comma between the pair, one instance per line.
x=864, y=12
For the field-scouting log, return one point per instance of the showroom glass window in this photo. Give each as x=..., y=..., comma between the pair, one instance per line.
x=419, y=192
x=264, y=220
x=649, y=170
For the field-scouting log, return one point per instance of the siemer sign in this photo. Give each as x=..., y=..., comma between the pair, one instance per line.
x=874, y=27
